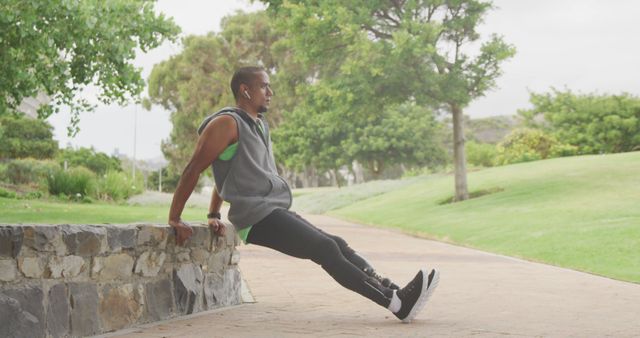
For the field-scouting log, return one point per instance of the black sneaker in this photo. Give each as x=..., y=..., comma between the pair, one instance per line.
x=386, y=282
x=415, y=294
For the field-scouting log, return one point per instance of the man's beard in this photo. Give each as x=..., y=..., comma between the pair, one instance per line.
x=262, y=109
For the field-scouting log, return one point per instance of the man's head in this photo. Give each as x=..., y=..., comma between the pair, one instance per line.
x=251, y=88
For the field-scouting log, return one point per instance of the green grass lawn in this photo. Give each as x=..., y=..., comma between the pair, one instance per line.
x=579, y=212
x=47, y=212
x=321, y=200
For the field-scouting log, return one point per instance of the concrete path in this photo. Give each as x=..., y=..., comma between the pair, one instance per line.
x=480, y=295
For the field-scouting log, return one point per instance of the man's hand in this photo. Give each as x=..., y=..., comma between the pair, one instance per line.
x=183, y=231
x=217, y=226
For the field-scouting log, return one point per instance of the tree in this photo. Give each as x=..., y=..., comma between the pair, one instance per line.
x=347, y=113
x=595, y=123
x=192, y=85
x=325, y=133
x=22, y=137
x=392, y=140
x=60, y=47
x=416, y=51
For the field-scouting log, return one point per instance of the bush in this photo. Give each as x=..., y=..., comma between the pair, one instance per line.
x=481, y=154
x=89, y=158
x=3, y=172
x=22, y=137
x=7, y=193
x=29, y=171
x=594, y=123
x=117, y=186
x=75, y=183
x=31, y=195
x=169, y=181
x=524, y=145
x=563, y=150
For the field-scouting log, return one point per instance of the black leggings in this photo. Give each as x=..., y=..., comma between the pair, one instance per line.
x=287, y=232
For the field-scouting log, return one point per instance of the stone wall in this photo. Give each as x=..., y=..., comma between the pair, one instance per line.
x=80, y=280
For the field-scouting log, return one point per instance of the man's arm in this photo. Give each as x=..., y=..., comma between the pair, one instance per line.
x=218, y=134
x=216, y=201
x=214, y=207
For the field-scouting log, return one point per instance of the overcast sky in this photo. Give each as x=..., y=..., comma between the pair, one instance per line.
x=583, y=45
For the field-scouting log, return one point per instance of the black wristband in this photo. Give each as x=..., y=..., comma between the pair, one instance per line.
x=214, y=215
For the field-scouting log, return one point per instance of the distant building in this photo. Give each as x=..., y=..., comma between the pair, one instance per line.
x=30, y=105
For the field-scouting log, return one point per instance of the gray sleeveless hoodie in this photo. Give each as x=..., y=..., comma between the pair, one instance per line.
x=249, y=181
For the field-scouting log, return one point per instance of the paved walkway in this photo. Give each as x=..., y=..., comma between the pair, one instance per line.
x=480, y=295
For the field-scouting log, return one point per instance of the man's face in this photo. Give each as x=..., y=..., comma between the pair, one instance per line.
x=261, y=92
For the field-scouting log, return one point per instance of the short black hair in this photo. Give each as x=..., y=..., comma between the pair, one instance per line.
x=243, y=75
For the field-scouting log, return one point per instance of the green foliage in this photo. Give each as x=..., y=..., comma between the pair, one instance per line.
x=3, y=172
x=337, y=123
x=82, y=185
x=74, y=183
x=481, y=154
x=118, y=186
x=97, y=162
x=169, y=181
x=31, y=195
x=29, y=170
x=524, y=145
x=59, y=47
x=405, y=134
x=593, y=123
x=370, y=56
x=22, y=137
x=7, y=193
x=395, y=50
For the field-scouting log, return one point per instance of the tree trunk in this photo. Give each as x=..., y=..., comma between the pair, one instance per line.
x=459, y=161
x=358, y=172
x=376, y=167
x=311, y=179
x=304, y=178
x=333, y=173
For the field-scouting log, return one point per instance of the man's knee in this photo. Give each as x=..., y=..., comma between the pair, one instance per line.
x=343, y=245
x=325, y=251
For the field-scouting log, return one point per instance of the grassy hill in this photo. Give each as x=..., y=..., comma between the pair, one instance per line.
x=579, y=212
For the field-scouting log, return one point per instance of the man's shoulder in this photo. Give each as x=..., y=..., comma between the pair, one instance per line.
x=225, y=116
x=223, y=121
x=226, y=111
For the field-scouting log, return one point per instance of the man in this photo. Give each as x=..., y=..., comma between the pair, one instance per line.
x=235, y=142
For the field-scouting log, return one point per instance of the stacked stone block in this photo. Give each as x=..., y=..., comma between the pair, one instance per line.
x=81, y=280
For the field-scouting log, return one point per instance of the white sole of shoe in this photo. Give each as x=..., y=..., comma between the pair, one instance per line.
x=424, y=296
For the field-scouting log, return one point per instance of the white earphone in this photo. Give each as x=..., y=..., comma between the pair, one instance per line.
x=247, y=95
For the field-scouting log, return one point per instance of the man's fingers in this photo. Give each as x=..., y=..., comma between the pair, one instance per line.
x=182, y=234
x=217, y=227
x=221, y=229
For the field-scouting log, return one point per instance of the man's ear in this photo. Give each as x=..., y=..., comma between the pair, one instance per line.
x=243, y=88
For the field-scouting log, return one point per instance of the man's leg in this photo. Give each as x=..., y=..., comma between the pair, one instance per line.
x=353, y=257
x=282, y=230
